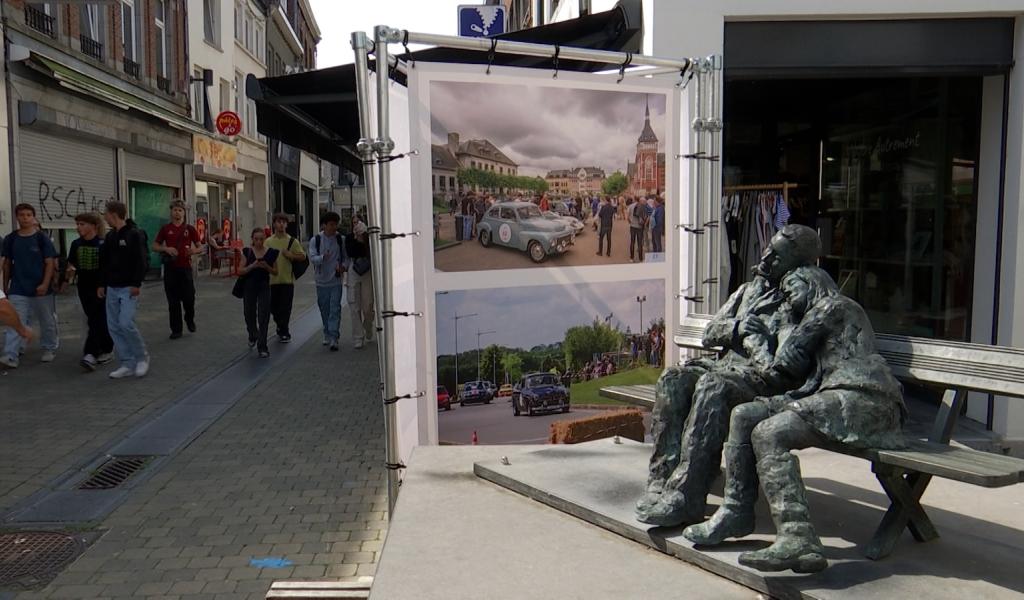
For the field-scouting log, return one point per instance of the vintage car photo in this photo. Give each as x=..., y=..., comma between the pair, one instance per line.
x=521, y=226
x=540, y=392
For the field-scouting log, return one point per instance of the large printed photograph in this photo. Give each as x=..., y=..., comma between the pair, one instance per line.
x=534, y=176
x=512, y=361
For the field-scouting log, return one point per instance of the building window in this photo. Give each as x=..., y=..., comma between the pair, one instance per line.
x=225, y=95
x=211, y=21
x=91, y=30
x=41, y=17
x=164, y=45
x=130, y=38
x=198, y=96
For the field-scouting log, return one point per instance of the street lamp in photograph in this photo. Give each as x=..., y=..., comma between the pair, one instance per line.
x=456, y=319
x=640, y=300
x=480, y=334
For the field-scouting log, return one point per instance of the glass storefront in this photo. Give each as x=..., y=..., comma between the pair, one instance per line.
x=885, y=169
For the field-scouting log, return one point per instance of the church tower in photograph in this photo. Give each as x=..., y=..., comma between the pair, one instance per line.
x=647, y=173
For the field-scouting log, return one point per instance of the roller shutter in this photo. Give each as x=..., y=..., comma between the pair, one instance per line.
x=62, y=177
x=149, y=170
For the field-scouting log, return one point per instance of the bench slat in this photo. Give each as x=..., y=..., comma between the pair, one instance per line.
x=949, y=462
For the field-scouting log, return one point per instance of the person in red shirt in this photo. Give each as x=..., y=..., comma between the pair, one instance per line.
x=178, y=242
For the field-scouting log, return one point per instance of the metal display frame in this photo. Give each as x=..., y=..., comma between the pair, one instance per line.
x=375, y=148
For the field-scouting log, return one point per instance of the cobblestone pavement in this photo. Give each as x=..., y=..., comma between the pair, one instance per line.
x=54, y=417
x=292, y=471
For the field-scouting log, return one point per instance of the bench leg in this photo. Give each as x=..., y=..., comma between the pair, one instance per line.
x=905, y=512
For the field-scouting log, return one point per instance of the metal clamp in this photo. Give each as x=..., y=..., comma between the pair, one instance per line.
x=554, y=59
x=694, y=299
x=391, y=314
x=700, y=155
x=405, y=397
x=622, y=67
x=689, y=228
x=490, y=55
x=710, y=281
x=391, y=236
x=408, y=55
x=394, y=466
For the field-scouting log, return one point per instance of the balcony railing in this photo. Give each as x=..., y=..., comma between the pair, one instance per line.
x=163, y=84
x=131, y=68
x=91, y=47
x=40, y=21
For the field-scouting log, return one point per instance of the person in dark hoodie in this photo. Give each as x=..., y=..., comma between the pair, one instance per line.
x=123, y=261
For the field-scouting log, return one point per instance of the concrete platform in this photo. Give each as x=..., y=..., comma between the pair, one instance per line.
x=455, y=536
x=979, y=556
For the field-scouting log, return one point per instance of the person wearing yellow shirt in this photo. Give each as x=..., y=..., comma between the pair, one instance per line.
x=282, y=285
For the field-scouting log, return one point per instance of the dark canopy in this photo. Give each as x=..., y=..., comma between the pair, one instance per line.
x=317, y=111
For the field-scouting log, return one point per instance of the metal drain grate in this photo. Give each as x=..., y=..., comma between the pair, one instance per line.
x=32, y=558
x=114, y=472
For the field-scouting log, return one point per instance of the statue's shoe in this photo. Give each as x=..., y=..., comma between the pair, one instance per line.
x=725, y=523
x=670, y=510
x=787, y=554
x=647, y=501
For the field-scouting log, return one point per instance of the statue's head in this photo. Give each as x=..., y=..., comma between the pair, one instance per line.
x=793, y=246
x=804, y=286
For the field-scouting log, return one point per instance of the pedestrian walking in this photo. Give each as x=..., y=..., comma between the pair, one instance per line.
x=658, y=225
x=636, y=215
x=327, y=255
x=360, y=285
x=83, y=266
x=30, y=267
x=468, y=218
x=178, y=242
x=260, y=265
x=282, y=283
x=124, y=258
x=605, y=216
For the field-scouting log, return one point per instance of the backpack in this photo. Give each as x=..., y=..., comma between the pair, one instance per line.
x=298, y=266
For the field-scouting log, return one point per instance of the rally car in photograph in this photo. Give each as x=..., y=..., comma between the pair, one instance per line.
x=576, y=224
x=540, y=392
x=521, y=225
x=475, y=392
x=444, y=401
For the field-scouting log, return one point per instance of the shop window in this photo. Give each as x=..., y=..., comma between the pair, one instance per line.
x=885, y=169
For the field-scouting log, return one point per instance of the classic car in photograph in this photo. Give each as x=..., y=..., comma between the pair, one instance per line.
x=505, y=391
x=475, y=392
x=576, y=224
x=540, y=392
x=522, y=226
x=444, y=400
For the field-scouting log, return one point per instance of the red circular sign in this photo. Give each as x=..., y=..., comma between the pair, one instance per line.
x=228, y=123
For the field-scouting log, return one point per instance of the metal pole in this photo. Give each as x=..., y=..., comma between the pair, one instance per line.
x=380, y=268
x=542, y=50
x=383, y=146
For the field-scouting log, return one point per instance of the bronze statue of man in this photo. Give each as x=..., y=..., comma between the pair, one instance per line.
x=849, y=397
x=691, y=413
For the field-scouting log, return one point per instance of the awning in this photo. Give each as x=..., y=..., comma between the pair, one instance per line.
x=317, y=110
x=80, y=82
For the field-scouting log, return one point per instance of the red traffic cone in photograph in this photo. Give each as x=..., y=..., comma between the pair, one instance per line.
x=475, y=439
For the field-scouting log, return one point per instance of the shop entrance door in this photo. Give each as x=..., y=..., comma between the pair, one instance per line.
x=150, y=208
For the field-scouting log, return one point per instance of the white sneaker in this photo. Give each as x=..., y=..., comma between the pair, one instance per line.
x=142, y=367
x=48, y=356
x=121, y=373
x=103, y=359
x=10, y=363
x=358, y=345
x=88, y=362
x=326, y=341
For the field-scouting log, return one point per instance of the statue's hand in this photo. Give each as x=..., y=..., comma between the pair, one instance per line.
x=753, y=325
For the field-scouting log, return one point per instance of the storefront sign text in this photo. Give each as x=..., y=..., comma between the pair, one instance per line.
x=228, y=123
x=211, y=153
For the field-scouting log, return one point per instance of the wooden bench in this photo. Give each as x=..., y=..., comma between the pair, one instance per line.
x=905, y=474
x=357, y=588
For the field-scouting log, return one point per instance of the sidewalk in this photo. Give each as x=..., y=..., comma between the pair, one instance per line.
x=292, y=474
x=56, y=416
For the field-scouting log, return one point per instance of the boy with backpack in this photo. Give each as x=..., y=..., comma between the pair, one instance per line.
x=291, y=264
x=327, y=255
x=30, y=267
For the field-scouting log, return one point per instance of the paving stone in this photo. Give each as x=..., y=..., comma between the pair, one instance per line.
x=187, y=587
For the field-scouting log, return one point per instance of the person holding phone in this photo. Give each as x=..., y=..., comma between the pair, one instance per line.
x=260, y=264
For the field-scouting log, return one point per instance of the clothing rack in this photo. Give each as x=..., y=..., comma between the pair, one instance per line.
x=767, y=187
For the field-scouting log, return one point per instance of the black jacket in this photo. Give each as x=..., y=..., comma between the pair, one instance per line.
x=124, y=256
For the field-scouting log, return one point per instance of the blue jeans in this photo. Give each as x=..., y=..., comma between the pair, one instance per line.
x=44, y=309
x=467, y=226
x=128, y=344
x=328, y=298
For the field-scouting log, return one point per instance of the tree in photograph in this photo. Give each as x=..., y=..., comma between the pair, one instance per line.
x=584, y=341
x=615, y=184
x=512, y=365
x=490, y=361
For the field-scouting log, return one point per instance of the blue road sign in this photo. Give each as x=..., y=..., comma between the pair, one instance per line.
x=481, y=20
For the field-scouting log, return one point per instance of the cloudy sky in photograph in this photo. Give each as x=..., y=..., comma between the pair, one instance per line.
x=545, y=128
x=525, y=317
